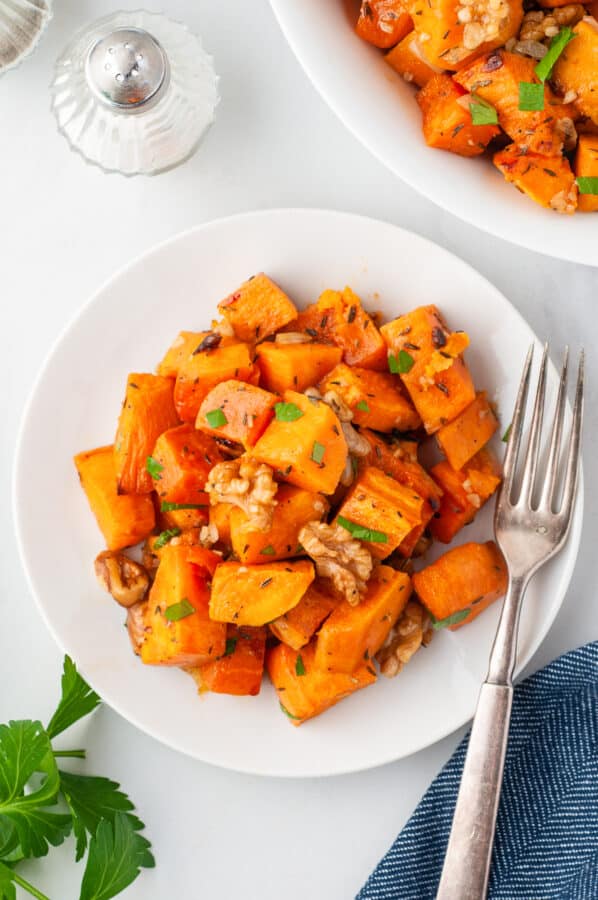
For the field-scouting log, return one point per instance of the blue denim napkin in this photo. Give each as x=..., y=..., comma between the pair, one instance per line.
x=546, y=845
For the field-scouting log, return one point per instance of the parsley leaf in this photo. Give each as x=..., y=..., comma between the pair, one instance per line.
x=317, y=452
x=165, y=506
x=507, y=434
x=558, y=43
x=177, y=611
x=482, y=112
x=287, y=713
x=7, y=885
x=287, y=412
x=531, y=96
x=268, y=551
x=116, y=853
x=77, y=700
x=299, y=665
x=165, y=536
x=456, y=617
x=231, y=644
x=401, y=364
x=587, y=184
x=362, y=406
x=361, y=532
x=154, y=468
x=215, y=418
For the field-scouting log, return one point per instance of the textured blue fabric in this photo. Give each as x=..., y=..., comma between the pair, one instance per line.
x=546, y=845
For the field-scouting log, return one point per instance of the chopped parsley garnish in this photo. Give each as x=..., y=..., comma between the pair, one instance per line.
x=507, y=433
x=400, y=364
x=165, y=536
x=299, y=665
x=558, y=43
x=177, y=611
x=317, y=452
x=457, y=617
x=268, y=551
x=482, y=112
x=215, y=418
x=363, y=533
x=362, y=406
x=287, y=713
x=287, y=412
x=531, y=96
x=231, y=643
x=154, y=468
x=587, y=184
x=165, y=506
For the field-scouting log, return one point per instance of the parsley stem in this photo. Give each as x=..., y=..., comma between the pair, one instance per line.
x=28, y=887
x=69, y=754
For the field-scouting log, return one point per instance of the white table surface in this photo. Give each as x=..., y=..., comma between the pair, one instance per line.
x=65, y=227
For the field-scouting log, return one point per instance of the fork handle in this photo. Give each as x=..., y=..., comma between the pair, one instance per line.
x=467, y=860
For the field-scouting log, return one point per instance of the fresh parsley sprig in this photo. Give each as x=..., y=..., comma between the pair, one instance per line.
x=40, y=805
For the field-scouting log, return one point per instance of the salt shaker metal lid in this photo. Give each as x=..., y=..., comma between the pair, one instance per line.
x=22, y=23
x=135, y=93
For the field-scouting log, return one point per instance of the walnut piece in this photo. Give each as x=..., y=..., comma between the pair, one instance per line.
x=542, y=25
x=356, y=444
x=339, y=557
x=136, y=626
x=412, y=631
x=248, y=484
x=122, y=577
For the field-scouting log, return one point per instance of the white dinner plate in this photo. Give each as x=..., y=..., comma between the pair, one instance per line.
x=379, y=107
x=126, y=327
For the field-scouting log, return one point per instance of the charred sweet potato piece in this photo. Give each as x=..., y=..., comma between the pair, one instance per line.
x=383, y=22
x=395, y=460
x=577, y=68
x=294, y=508
x=375, y=398
x=418, y=333
x=297, y=626
x=182, y=460
x=352, y=634
x=352, y=329
x=256, y=595
x=547, y=180
x=464, y=580
x=177, y=628
x=586, y=166
x=495, y=77
x=447, y=124
x=408, y=59
x=237, y=411
x=179, y=351
x=309, y=451
x=123, y=519
x=303, y=689
x=257, y=309
x=294, y=367
x=464, y=493
x=205, y=369
x=461, y=439
x=147, y=411
x=387, y=509
x=440, y=388
x=239, y=670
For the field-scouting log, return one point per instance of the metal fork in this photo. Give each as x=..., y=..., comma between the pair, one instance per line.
x=529, y=533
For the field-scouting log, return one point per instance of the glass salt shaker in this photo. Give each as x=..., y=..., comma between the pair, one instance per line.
x=22, y=23
x=135, y=93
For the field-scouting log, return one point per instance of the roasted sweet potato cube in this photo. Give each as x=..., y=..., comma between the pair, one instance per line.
x=303, y=689
x=185, y=516
x=576, y=68
x=203, y=370
x=463, y=581
x=447, y=123
x=294, y=508
x=313, y=322
x=354, y=634
x=351, y=328
x=408, y=59
x=182, y=460
x=465, y=492
x=178, y=629
x=123, y=519
x=547, y=180
x=179, y=351
x=408, y=545
x=383, y=506
x=237, y=411
x=375, y=398
x=297, y=626
x=461, y=439
x=257, y=309
x=495, y=78
x=239, y=670
x=418, y=333
x=147, y=411
x=439, y=394
x=395, y=459
x=295, y=367
x=256, y=595
x=309, y=451
x=586, y=166
x=383, y=22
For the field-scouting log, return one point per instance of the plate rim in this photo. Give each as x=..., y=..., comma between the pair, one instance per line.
x=17, y=474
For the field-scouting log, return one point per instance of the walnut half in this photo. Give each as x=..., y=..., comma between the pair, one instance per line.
x=339, y=557
x=248, y=484
x=122, y=577
x=412, y=631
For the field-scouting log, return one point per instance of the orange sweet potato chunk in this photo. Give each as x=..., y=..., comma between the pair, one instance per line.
x=285, y=367
x=408, y=59
x=257, y=309
x=309, y=452
x=147, y=411
x=577, y=68
x=256, y=595
x=180, y=350
x=352, y=634
x=447, y=124
x=239, y=670
x=294, y=508
x=123, y=519
x=297, y=626
x=464, y=493
x=395, y=459
x=470, y=577
x=203, y=370
x=586, y=166
x=245, y=409
x=375, y=398
x=184, y=458
x=439, y=395
x=350, y=327
x=178, y=628
x=419, y=332
x=461, y=439
x=186, y=516
x=383, y=22
x=303, y=696
x=547, y=180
